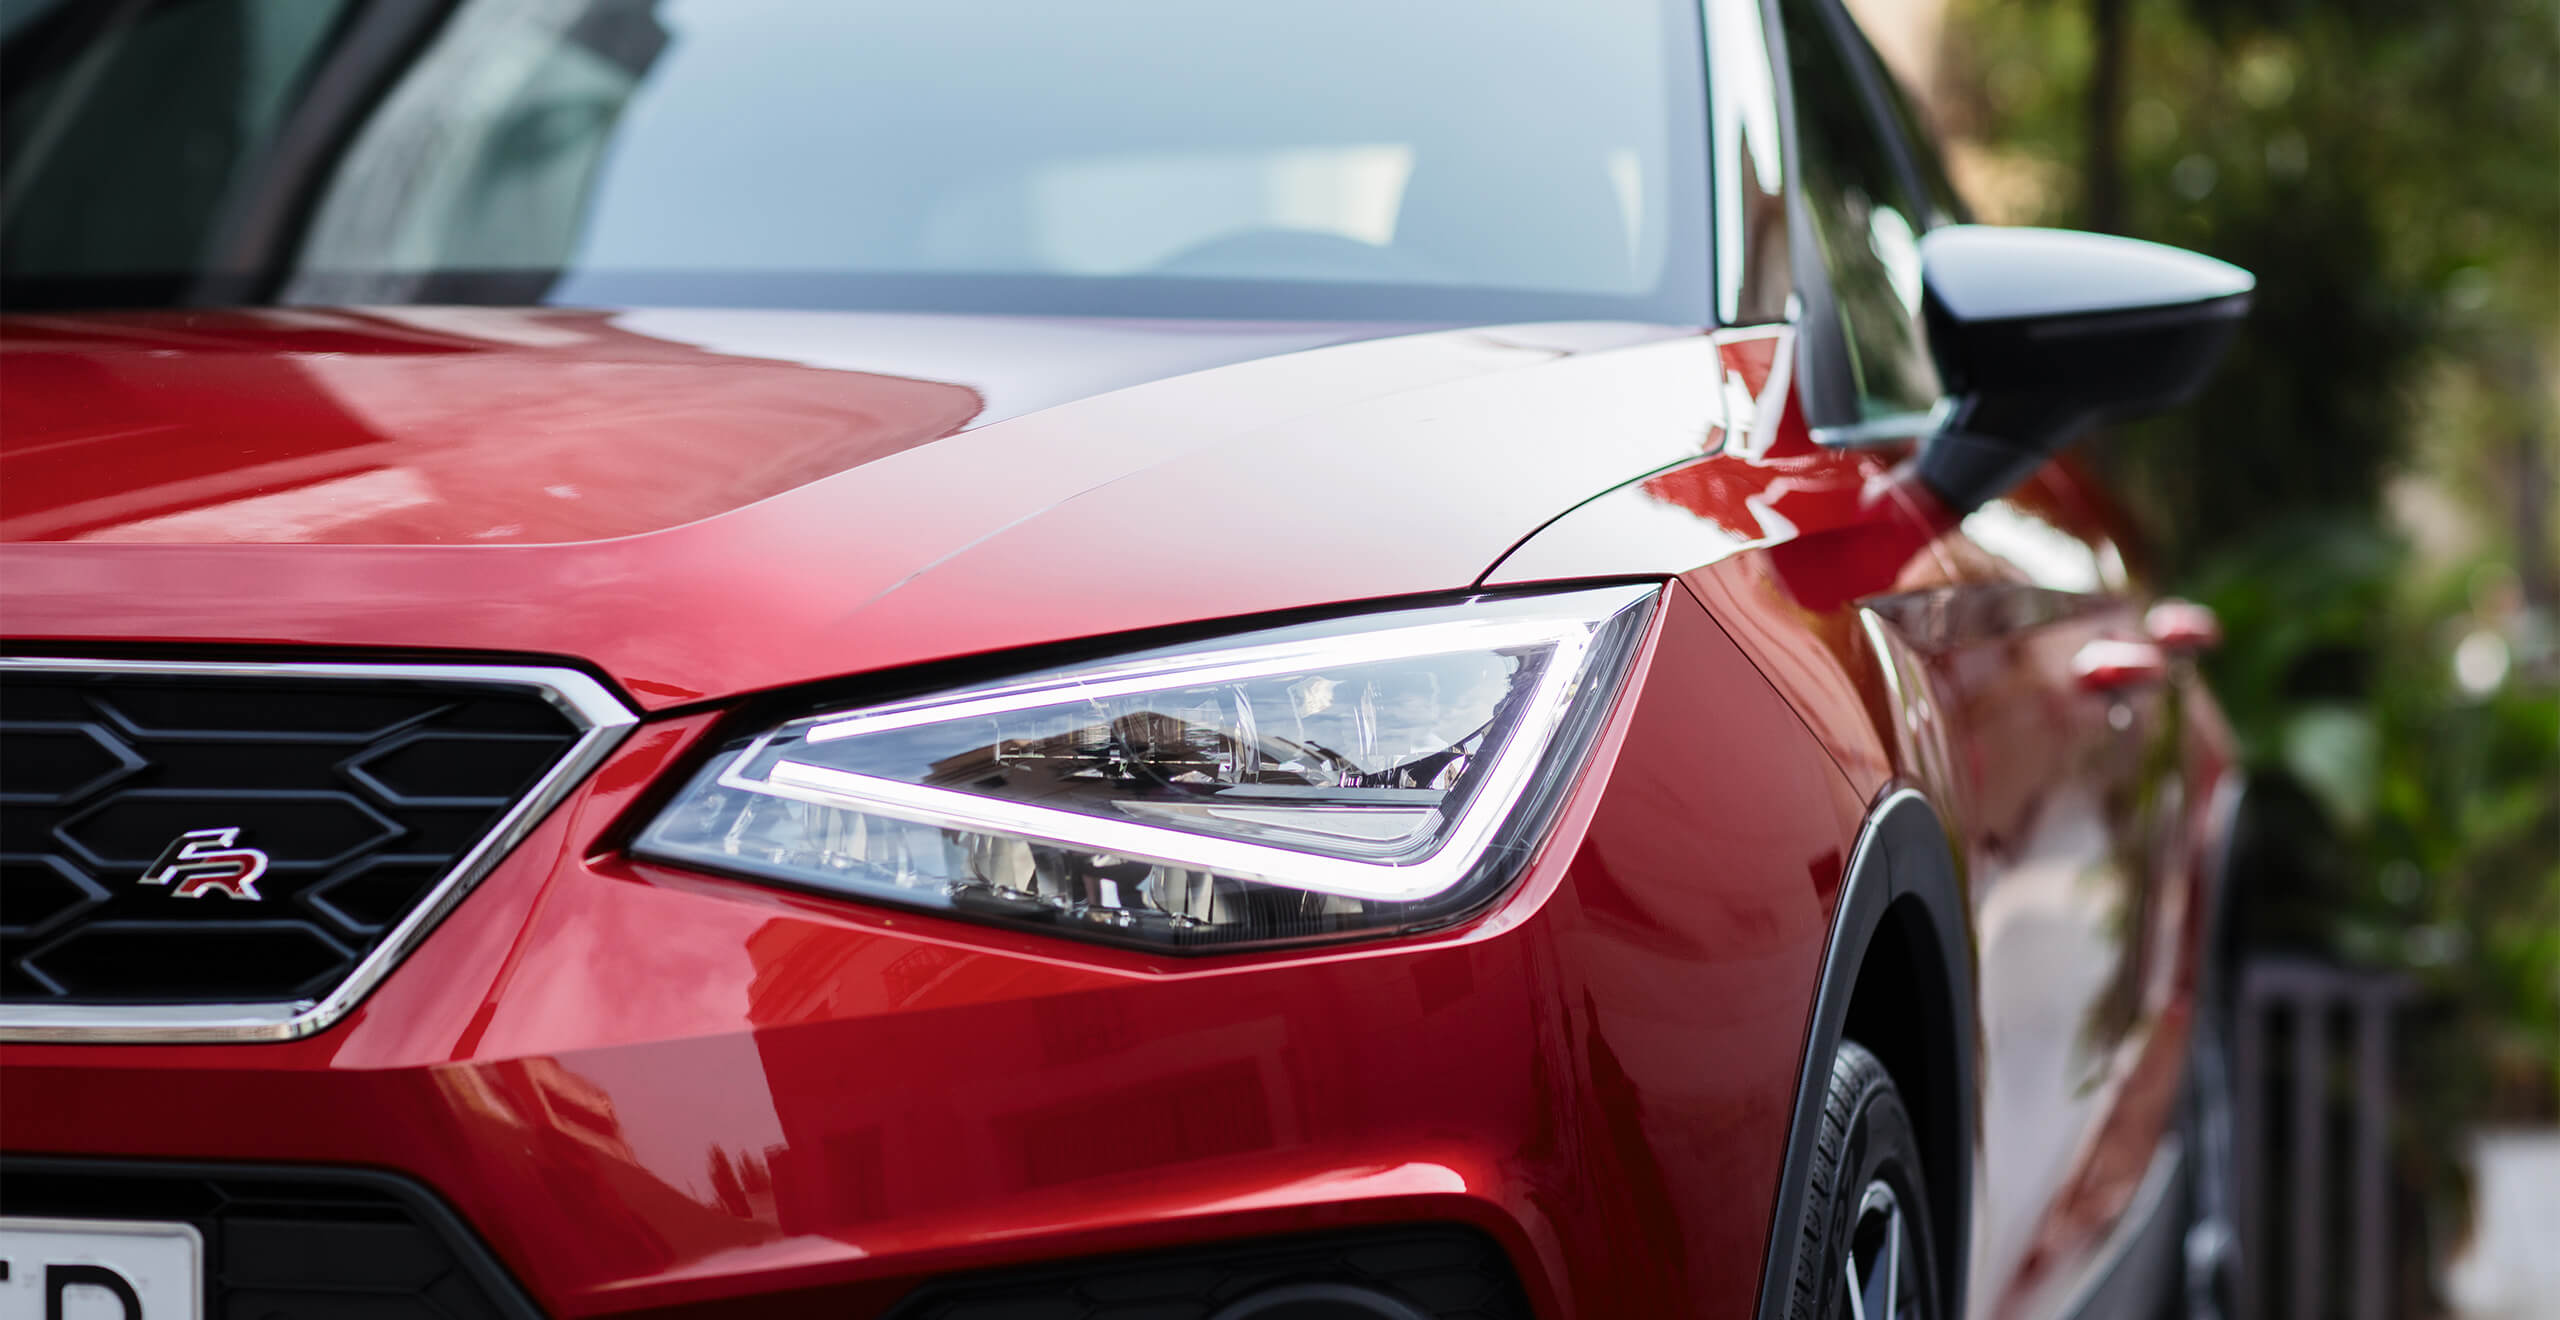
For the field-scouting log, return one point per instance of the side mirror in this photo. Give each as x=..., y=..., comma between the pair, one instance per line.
x=2042, y=333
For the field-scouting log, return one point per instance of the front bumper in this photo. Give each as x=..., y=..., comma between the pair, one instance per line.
x=649, y=1090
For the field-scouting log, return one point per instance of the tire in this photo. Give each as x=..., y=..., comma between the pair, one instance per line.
x=1865, y=1250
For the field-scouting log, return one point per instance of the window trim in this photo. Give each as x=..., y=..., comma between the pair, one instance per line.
x=1866, y=69
x=1825, y=379
x=1740, y=298
x=1891, y=429
x=1824, y=360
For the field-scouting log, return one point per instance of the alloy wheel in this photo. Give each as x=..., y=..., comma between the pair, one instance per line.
x=1881, y=1274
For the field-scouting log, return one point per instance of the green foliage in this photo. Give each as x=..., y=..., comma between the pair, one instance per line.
x=2336, y=677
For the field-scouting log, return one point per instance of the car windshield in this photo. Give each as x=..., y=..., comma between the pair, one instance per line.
x=1317, y=159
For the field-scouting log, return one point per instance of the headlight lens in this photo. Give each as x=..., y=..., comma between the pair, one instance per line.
x=1377, y=774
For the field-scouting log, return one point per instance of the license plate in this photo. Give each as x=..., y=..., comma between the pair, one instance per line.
x=100, y=1269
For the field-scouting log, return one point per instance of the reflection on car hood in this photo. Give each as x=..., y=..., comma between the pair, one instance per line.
x=702, y=503
x=505, y=426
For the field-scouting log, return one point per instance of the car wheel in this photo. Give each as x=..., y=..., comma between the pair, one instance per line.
x=1864, y=1250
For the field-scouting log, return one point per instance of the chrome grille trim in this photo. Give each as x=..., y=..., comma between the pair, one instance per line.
x=603, y=721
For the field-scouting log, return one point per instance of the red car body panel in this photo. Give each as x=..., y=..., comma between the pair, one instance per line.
x=1957, y=680
x=1008, y=535
x=517, y=426
x=650, y=1089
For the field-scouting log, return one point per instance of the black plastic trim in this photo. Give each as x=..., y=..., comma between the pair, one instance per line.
x=506, y=1296
x=1348, y=1302
x=1860, y=56
x=1422, y=1270
x=1902, y=854
x=596, y=720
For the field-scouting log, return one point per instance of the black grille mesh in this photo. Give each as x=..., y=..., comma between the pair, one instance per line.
x=1445, y=1272
x=289, y=1244
x=361, y=793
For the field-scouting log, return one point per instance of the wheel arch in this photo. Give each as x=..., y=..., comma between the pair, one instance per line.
x=1900, y=934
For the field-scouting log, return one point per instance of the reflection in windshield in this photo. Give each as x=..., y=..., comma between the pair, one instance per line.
x=1334, y=158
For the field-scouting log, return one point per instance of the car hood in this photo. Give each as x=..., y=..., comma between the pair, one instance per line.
x=705, y=502
x=498, y=426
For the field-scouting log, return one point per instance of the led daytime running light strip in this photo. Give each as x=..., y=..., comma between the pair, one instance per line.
x=1506, y=778
x=1202, y=669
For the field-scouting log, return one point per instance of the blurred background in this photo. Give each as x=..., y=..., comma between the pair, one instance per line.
x=2367, y=497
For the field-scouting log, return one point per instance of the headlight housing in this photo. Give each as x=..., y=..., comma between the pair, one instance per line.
x=1383, y=773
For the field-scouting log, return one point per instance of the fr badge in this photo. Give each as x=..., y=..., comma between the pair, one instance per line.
x=201, y=862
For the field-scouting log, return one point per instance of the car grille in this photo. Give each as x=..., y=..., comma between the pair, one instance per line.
x=288, y=1243
x=1442, y=1271
x=369, y=796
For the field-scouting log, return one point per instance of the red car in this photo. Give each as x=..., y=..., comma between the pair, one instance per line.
x=1125, y=661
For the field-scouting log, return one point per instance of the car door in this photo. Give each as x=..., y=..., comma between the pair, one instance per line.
x=2064, y=739
x=2054, y=730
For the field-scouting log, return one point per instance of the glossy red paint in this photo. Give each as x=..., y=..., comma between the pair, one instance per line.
x=2112, y=664
x=515, y=426
x=1917, y=656
x=662, y=1092
x=1264, y=485
x=2081, y=810
x=667, y=1093
x=652, y=1090
x=1778, y=535
x=2183, y=627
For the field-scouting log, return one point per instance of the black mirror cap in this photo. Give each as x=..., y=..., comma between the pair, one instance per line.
x=2043, y=333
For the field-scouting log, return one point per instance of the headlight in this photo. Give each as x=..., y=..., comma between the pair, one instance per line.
x=1377, y=774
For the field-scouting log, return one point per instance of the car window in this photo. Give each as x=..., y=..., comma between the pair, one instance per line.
x=1866, y=223
x=122, y=140
x=1913, y=133
x=1338, y=159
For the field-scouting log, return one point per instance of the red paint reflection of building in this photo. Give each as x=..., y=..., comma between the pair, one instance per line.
x=417, y=426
